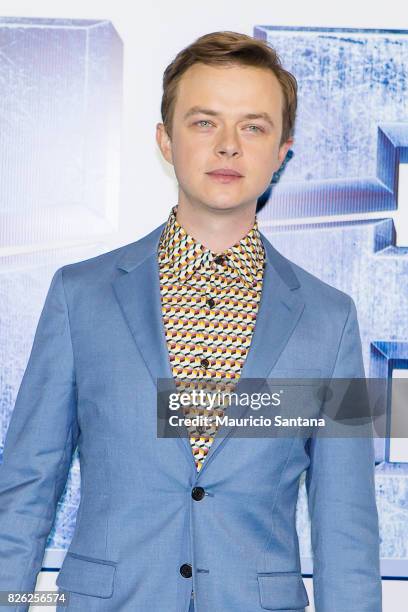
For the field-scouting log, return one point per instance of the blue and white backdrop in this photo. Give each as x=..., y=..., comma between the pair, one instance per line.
x=339, y=209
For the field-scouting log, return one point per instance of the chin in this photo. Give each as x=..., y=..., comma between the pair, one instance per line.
x=224, y=201
x=228, y=199
x=224, y=205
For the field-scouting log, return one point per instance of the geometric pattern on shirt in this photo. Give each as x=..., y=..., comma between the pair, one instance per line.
x=209, y=313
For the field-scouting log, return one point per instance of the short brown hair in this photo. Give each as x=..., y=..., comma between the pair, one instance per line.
x=230, y=48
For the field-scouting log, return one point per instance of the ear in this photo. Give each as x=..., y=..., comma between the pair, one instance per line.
x=283, y=149
x=164, y=142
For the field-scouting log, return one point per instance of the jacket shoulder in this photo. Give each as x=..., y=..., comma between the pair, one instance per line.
x=315, y=291
x=105, y=264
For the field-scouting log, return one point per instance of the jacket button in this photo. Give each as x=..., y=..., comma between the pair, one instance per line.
x=198, y=493
x=205, y=363
x=186, y=571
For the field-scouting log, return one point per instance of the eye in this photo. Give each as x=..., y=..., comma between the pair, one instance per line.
x=257, y=128
x=200, y=123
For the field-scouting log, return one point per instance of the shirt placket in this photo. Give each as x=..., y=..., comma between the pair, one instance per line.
x=206, y=277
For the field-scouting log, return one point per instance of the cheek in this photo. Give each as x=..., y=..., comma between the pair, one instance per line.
x=189, y=156
x=264, y=150
x=268, y=161
x=260, y=160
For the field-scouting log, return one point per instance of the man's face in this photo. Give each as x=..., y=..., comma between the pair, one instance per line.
x=225, y=117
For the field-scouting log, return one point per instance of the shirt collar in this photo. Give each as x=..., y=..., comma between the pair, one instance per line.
x=184, y=255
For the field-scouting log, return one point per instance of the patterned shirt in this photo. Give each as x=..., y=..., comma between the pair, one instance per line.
x=209, y=305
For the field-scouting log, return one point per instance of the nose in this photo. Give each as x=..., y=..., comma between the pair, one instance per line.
x=228, y=144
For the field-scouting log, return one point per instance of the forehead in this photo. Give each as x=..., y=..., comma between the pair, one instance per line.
x=229, y=88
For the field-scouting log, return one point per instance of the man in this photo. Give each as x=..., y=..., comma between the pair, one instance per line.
x=204, y=523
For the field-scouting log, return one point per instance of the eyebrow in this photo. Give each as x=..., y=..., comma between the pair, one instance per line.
x=198, y=110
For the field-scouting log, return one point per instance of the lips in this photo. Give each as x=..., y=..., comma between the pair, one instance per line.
x=225, y=172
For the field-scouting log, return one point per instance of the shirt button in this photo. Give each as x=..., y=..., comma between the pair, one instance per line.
x=205, y=363
x=198, y=493
x=219, y=259
x=186, y=570
x=210, y=303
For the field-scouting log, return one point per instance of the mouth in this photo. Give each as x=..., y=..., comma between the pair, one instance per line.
x=225, y=175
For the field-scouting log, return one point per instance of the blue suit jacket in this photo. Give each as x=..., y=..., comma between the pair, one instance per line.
x=91, y=381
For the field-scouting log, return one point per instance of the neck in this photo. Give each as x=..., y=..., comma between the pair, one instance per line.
x=216, y=229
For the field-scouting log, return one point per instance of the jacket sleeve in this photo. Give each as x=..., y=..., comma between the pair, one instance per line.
x=40, y=441
x=341, y=496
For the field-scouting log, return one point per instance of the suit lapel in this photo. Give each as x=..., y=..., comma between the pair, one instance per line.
x=138, y=293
